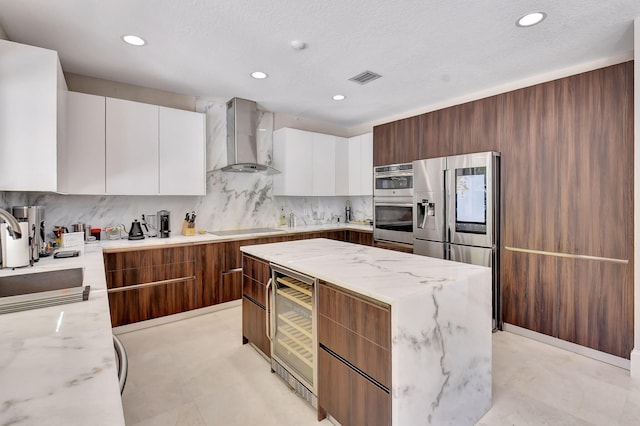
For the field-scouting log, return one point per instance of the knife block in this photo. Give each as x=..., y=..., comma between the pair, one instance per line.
x=188, y=231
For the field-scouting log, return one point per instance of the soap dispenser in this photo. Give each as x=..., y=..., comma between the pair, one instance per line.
x=283, y=217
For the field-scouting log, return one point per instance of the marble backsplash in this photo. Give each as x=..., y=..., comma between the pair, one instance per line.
x=233, y=200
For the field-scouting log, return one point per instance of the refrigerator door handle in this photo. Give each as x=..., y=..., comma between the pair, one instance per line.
x=449, y=212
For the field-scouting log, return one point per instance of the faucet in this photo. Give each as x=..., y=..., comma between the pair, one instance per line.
x=13, y=227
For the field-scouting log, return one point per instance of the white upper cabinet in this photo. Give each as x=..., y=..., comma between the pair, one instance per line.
x=84, y=155
x=354, y=166
x=324, y=165
x=182, y=152
x=316, y=164
x=32, y=123
x=293, y=157
x=131, y=148
x=361, y=164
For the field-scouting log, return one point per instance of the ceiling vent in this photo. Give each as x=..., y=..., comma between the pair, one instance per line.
x=365, y=77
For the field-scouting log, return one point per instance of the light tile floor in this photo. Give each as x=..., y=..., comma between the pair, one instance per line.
x=197, y=372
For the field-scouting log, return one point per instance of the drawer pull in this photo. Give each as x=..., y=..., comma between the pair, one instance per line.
x=151, y=284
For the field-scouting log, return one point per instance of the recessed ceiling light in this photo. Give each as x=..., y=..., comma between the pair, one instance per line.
x=531, y=19
x=134, y=40
x=259, y=75
x=339, y=97
x=298, y=45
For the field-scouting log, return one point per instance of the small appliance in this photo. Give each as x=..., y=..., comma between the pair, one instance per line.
x=164, y=220
x=15, y=252
x=34, y=215
x=135, y=233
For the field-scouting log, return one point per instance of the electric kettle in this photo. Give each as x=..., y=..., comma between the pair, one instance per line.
x=136, y=231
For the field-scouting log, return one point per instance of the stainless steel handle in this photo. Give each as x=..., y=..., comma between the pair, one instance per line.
x=151, y=284
x=268, y=309
x=123, y=362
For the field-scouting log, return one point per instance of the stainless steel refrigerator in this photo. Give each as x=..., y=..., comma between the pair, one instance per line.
x=456, y=212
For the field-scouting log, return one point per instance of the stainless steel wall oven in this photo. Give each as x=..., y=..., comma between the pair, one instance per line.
x=393, y=203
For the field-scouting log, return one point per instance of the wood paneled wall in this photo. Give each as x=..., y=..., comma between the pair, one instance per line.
x=567, y=188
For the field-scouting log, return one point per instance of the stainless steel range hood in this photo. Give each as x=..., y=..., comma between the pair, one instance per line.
x=242, y=126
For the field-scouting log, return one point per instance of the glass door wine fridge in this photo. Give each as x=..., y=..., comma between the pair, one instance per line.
x=293, y=330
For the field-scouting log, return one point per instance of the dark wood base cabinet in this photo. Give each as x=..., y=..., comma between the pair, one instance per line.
x=254, y=322
x=354, y=358
x=348, y=396
x=147, y=284
x=131, y=306
x=256, y=274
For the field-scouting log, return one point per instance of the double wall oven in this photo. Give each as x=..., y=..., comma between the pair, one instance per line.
x=393, y=203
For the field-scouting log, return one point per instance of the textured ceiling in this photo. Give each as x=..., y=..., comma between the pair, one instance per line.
x=427, y=51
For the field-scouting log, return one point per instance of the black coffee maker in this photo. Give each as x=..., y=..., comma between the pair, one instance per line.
x=164, y=219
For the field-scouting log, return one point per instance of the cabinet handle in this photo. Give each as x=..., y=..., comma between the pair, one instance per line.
x=151, y=284
x=267, y=309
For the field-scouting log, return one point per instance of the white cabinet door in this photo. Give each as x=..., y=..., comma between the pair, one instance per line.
x=31, y=86
x=366, y=164
x=131, y=148
x=342, y=166
x=355, y=177
x=293, y=157
x=181, y=152
x=324, y=165
x=84, y=154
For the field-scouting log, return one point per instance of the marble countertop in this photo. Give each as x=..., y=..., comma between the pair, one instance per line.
x=385, y=275
x=440, y=322
x=57, y=364
x=177, y=239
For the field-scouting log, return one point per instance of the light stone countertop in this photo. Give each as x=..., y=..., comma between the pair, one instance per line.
x=440, y=322
x=178, y=239
x=385, y=275
x=57, y=364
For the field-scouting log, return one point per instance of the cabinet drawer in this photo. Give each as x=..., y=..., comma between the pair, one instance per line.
x=368, y=319
x=256, y=269
x=254, y=326
x=150, y=274
x=372, y=359
x=141, y=304
x=230, y=287
x=348, y=396
x=254, y=290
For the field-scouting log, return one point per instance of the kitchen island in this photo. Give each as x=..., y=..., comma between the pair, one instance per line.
x=440, y=326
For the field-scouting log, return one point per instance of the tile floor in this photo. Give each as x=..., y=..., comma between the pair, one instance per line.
x=196, y=372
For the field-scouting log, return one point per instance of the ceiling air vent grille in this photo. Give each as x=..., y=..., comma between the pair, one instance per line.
x=365, y=77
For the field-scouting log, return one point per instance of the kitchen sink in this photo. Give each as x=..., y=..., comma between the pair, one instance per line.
x=41, y=289
x=244, y=231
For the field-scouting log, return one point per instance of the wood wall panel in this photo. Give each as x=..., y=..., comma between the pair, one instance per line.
x=594, y=189
x=529, y=291
x=397, y=142
x=438, y=129
x=567, y=168
x=530, y=168
x=595, y=305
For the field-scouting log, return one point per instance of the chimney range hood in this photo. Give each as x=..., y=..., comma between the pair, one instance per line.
x=242, y=125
